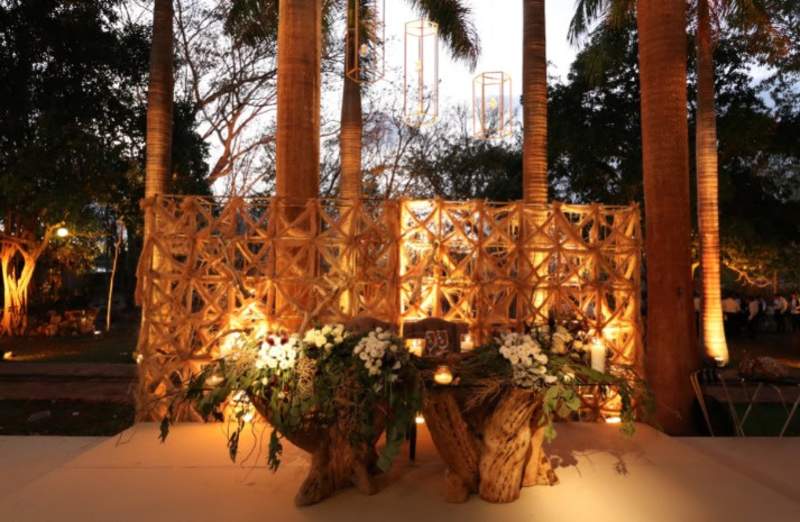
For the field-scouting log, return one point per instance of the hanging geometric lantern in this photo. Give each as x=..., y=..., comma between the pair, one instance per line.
x=421, y=73
x=492, y=106
x=366, y=61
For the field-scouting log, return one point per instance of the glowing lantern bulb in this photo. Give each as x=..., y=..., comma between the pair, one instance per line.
x=62, y=232
x=493, y=103
x=419, y=419
x=363, y=51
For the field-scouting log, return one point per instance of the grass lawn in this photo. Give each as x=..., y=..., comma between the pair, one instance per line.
x=116, y=346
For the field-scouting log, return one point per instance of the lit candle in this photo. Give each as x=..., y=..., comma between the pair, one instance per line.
x=598, y=351
x=419, y=419
x=467, y=343
x=443, y=375
x=415, y=346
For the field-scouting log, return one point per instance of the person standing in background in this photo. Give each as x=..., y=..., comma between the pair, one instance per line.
x=754, y=312
x=781, y=313
x=732, y=310
x=794, y=311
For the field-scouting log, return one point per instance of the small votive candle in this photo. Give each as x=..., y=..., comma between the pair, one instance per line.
x=443, y=375
x=415, y=346
x=467, y=343
x=598, y=353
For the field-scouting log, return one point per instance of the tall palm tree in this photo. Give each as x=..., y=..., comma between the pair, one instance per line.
x=748, y=13
x=534, y=102
x=671, y=350
x=712, y=326
x=159, y=105
x=456, y=30
x=297, y=134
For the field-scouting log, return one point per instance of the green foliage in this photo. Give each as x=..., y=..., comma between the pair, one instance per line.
x=324, y=386
x=72, y=116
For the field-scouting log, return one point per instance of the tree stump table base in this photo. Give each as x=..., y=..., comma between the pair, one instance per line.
x=494, y=459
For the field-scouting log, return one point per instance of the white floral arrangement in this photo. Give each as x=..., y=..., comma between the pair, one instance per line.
x=528, y=360
x=377, y=350
x=326, y=337
x=278, y=353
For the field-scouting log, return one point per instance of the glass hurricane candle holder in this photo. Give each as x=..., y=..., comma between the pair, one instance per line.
x=443, y=375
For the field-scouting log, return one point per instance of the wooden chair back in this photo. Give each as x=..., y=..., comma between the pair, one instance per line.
x=364, y=324
x=441, y=336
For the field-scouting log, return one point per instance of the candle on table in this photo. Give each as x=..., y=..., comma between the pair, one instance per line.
x=598, y=352
x=415, y=346
x=467, y=343
x=443, y=375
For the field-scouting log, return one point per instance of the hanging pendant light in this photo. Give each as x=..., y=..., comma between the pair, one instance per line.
x=492, y=106
x=421, y=73
x=366, y=57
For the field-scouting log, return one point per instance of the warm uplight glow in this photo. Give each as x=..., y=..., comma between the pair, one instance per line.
x=62, y=232
x=419, y=419
x=613, y=420
x=443, y=375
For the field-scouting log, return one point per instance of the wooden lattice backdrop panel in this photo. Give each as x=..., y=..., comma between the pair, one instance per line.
x=216, y=266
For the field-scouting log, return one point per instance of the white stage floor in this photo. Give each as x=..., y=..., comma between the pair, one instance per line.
x=604, y=477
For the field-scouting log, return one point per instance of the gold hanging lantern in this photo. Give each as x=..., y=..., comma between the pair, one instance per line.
x=492, y=106
x=421, y=73
x=366, y=35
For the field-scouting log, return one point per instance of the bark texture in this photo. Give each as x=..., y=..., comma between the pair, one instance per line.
x=297, y=135
x=336, y=463
x=493, y=450
x=506, y=446
x=351, y=131
x=671, y=351
x=159, y=104
x=534, y=103
x=455, y=442
x=713, y=329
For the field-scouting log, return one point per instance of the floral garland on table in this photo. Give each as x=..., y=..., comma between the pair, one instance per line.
x=322, y=378
x=555, y=363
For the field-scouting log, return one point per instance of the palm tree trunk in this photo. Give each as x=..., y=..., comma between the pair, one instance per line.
x=297, y=144
x=297, y=136
x=159, y=104
x=671, y=352
x=534, y=103
x=713, y=330
x=350, y=138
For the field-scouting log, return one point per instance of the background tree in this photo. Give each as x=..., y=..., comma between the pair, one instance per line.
x=459, y=35
x=72, y=126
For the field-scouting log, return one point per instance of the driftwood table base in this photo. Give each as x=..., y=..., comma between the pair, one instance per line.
x=494, y=459
x=336, y=463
